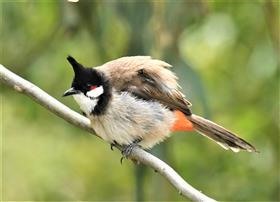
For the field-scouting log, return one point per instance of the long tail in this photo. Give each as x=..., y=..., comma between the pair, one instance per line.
x=220, y=135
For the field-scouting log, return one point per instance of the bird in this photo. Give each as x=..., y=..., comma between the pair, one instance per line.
x=136, y=101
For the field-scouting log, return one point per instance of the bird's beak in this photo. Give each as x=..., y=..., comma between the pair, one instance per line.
x=70, y=91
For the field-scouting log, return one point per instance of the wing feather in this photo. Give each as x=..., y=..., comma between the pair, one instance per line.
x=147, y=78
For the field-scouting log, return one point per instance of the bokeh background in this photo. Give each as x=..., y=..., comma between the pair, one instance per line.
x=226, y=54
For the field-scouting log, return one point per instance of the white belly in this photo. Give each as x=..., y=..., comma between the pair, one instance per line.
x=128, y=119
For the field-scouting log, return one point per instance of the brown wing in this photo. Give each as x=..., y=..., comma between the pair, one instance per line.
x=147, y=78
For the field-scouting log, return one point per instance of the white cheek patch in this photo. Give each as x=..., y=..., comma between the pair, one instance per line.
x=86, y=104
x=94, y=93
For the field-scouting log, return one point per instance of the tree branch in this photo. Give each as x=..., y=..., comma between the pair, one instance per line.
x=21, y=85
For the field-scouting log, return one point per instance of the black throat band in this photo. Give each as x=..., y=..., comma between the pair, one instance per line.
x=104, y=98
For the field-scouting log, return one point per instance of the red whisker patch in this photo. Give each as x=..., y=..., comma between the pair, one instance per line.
x=93, y=87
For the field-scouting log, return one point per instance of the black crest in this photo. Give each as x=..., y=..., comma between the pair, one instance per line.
x=84, y=76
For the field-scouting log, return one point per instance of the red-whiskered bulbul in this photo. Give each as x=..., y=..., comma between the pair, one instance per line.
x=136, y=101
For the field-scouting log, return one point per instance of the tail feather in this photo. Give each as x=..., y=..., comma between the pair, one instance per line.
x=220, y=135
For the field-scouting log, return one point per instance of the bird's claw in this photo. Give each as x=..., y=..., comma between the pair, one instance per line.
x=127, y=149
x=112, y=145
x=122, y=159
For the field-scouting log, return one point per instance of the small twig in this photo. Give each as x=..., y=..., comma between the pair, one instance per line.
x=21, y=85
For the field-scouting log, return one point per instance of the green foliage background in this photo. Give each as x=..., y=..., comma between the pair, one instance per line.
x=226, y=54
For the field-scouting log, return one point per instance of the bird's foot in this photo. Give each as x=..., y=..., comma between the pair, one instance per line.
x=114, y=144
x=127, y=149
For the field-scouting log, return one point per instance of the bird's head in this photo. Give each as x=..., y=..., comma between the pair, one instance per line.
x=89, y=86
x=86, y=81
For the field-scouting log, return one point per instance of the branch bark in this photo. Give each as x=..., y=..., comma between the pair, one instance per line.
x=23, y=86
